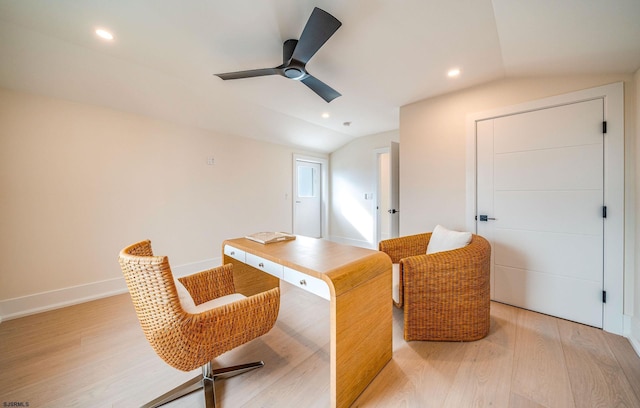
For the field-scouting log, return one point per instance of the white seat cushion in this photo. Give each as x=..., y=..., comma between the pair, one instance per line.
x=395, y=273
x=189, y=306
x=221, y=301
x=443, y=239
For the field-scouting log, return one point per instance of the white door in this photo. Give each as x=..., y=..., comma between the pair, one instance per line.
x=540, y=203
x=394, y=189
x=384, y=197
x=307, y=199
x=387, y=205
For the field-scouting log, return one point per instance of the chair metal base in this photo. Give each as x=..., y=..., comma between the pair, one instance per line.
x=206, y=381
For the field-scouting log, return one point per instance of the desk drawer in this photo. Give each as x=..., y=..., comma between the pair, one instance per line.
x=264, y=265
x=309, y=283
x=234, y=253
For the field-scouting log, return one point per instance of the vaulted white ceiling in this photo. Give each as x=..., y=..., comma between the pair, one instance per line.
x=387, y=53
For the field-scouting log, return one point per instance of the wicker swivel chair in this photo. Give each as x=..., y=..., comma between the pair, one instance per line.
x=445, y=295
x=217, y=321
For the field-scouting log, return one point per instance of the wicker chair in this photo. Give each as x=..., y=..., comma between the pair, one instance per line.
x=190, y=339
x=445, y=295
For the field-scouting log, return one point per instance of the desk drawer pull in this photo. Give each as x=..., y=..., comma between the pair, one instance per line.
x=307, y=282
x=234, y=253
x=264, y=265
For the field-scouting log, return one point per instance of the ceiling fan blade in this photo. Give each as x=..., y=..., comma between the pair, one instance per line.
x=249, y=74
x=325, y=91
x=319, y=29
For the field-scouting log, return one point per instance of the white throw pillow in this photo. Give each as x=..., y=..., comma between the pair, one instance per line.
x=186, y=301
x=443, y=239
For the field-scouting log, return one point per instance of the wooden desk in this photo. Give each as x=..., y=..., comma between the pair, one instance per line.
x=357, y=282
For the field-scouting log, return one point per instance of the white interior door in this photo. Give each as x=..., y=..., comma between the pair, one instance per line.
x=394, y=189
x=387, y=204
x=539, y=201
x=384, y=196
x=308, y=199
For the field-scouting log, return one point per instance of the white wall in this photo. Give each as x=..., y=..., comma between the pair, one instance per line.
x=432, y=158
x=80, y=182
x=354, y=173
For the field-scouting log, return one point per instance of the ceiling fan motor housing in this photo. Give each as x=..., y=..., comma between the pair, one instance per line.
x=292, y=69
x=293, y=72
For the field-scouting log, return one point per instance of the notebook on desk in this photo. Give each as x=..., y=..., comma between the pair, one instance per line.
x=270, y=237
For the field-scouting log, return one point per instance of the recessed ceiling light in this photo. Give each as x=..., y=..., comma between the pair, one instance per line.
x=104, y=34
x=454, y=72
x=325, y=115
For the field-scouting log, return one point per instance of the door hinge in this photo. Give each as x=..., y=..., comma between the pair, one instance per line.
x=604, y=127
x=604, y=296
x=604, y=211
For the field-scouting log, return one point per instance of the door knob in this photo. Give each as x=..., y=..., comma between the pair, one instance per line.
x=392, y=211
x=485, y=218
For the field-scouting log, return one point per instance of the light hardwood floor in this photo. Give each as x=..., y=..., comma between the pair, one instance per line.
x=95, y=355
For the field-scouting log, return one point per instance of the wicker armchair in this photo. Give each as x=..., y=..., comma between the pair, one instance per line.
x=445, y=295
x=190, y=339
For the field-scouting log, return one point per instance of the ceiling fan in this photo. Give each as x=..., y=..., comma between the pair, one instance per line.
x=296, y=53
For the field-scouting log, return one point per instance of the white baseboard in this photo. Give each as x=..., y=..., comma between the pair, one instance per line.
x=353, y=242
x=635, y=343
x=634, y=334
x=55, y=299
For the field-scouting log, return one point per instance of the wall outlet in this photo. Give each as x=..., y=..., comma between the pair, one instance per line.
x=210, y=161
